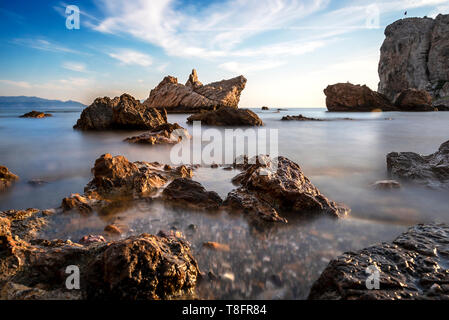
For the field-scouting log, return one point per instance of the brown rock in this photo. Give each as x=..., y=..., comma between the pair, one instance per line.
x=113, y=229
x=89, y=239
x=36, y=115
x=414, y=100
x=7, y=178
x=227, y=117
x=194, y=96
x=164, y=134
x=346, y=97
x=217, y=246
x=122, y=112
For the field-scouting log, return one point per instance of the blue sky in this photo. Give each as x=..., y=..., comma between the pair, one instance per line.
x=289, y=50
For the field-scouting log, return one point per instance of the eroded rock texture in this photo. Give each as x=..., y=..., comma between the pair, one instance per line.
x=414, y=266
x=415, y=55
x=7, y=178
x=227, y=117
x=166, y=133
x=414, y=100
x=194, y=96
x=432, y=170
x=270, y=187
x=122, y=112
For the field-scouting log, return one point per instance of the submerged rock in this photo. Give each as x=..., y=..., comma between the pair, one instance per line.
x=227, y=117
x=414, y=100
x=432, y=170
x=270, y=187
x=122, y=112
x=164, y=134
x=346, y=97
x=36, y=115
x=189, y=193
x=299, y=118
x=386, y=185
x=194, y=96
x=7, y=178
x=414, y=266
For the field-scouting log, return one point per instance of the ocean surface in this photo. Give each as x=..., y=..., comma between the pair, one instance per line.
x=341, y=157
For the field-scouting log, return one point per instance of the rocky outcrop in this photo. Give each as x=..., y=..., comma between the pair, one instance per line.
x=346, y=97
x=7, y=178
x=227, y=117
x=273, y=186
x=166, y=133
x=299, y=118
x=136, y=268
x=194, y=96
x=414, y=100
x=432, y=170
x=122, y=112
x=188, y=193
x=414, y=266
x=36, y=115
x=415, y=55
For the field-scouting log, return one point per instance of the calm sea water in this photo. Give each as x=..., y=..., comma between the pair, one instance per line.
x=342, y=158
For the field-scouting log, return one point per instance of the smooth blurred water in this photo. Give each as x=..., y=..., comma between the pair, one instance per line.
x=341, y=157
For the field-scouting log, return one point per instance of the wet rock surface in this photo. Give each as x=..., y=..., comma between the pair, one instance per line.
x=164, y=134
x=227, y=117
x=432, y=170
x=35, y=114
x=414, y=266
x=7, y=178
x=270, y=186
x=122, y=112
x=347, y=97
x=194, y=96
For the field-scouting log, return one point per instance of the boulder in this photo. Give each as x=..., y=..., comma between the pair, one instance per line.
x=7, y=178
x=346, y=97
x=188, y=193
x=122, y=112
x=227, y=117
x=166, y=133
x=272, y=186
x=194, y=96
x=414, y=100
x=431, y=170
x=36, y=115
x=415, y=54
x=414, y=266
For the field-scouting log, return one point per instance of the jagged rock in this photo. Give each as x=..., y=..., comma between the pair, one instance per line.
x=432, y=170
x=271, y=186
x=186, y=192
x=7, y=178
x=122, y=112
x=36, y=114
x=346, y=97
x=414, y=266
x=415, y=54
x=194, y=96
x=414, y=100
x=299, y=118
x=265, y=108
x=227, y=117
x=164, y=134
x=141, y=267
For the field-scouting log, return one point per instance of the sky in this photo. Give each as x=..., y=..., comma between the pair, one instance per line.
x=289, y=50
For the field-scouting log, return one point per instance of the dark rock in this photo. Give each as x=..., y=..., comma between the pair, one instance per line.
x=299, y=118
x=89, y=239
x=36, y=115
x=166, y=133
x=186, y=192
x=265, y=108
x=122, y=112
x=432, y=170
x=7, y=178
x=37, y=182
x=414, y=266
x=386, y=185
x=227, y=117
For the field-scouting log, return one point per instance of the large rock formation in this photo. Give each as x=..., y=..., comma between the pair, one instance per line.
x=432, y=170
x=139, y=267
x=194, y=96
x=227, y=117
x=122, y=112
x=269, y=187
x=415, y=55
x=7, y=178
x=414, y=100
x=346, y=97
x=414, y=266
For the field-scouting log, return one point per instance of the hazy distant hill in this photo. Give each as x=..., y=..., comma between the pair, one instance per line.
x=22, y=101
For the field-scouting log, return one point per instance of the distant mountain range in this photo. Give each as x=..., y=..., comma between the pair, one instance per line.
x=22, y=101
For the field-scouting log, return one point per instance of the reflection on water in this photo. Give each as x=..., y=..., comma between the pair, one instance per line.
x=343, y=158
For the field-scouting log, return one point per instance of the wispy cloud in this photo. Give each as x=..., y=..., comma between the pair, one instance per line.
x=21, y=84
x=70, y=82
x=43, y=44
x=74, y=66
x=131, y=57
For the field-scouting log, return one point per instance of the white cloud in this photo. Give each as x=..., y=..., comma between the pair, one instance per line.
x=131, y=57
x=21, y=84
x=43, y=44
x=74, y=66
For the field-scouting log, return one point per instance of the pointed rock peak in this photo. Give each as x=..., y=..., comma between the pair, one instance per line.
x=193, y=80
